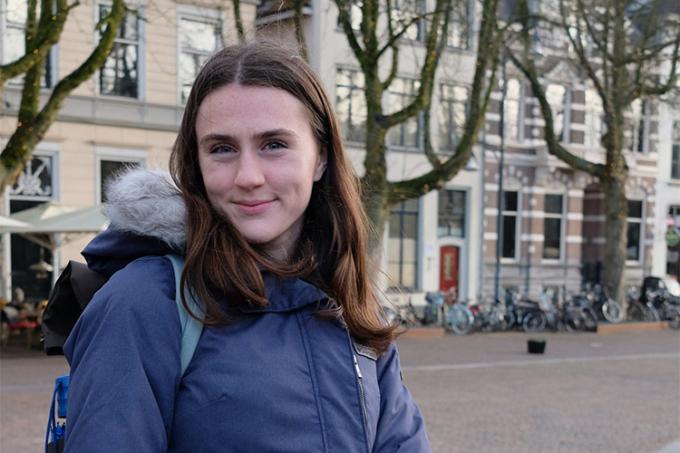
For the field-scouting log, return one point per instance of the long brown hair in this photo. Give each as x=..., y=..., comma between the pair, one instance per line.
x=333, y=247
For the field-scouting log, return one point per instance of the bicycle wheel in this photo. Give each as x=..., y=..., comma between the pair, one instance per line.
x=635, y=312
x=534, y=321
x=510, y=320
x=573, y=320
x=589, y=319
x=650, y=314
x=459, y=320
x=673, y=316
x=391, y=315
x=612, y=312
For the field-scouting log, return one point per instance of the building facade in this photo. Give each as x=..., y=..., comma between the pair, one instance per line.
x=543, y=220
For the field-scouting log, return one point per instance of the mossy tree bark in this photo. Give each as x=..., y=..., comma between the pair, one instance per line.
x=33, y=121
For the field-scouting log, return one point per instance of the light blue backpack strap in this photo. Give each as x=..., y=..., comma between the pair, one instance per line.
x=191, y=327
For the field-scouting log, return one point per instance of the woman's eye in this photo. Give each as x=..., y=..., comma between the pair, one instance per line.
x=222, y=149
x=275, y=145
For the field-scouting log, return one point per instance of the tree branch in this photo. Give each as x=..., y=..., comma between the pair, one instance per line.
x=240, y=32
x=490, y=39
x=394, y=67
x=47, y=36
x=299, y=31
x=554, y=147
x=427, y=72
x=345, y=20
x=30, y=132
x=584, y=58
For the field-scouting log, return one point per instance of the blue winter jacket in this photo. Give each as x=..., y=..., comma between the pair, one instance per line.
x=277, y=379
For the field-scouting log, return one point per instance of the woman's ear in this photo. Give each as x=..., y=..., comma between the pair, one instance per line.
x=320, y=164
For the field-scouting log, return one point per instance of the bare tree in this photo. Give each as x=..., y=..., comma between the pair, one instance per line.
x=379, y=41
x=44, y=25
x=622, y=47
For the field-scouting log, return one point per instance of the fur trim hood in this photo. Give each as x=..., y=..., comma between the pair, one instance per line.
x=147, y=203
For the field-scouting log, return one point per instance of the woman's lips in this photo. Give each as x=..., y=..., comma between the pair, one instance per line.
x=253, y=207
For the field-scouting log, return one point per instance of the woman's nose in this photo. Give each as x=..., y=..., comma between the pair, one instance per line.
x=249, y=173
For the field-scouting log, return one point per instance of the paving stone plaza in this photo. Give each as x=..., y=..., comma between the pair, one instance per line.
x=478, y=393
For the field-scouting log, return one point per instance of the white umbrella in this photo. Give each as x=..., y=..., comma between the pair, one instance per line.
x=7, y=222
x=53, y=224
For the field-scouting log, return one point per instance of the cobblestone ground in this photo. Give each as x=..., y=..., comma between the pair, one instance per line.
x=587, y=393
x=480, y=393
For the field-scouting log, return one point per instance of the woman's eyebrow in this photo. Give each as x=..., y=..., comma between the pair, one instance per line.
x=275, y=132
x=219, y=137
x=215, y=138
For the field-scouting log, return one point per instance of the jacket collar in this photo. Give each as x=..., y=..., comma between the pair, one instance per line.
x=287, y=294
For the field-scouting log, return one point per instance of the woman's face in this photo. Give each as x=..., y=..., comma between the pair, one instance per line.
x=259, y=160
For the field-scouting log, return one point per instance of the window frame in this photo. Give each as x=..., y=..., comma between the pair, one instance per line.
x=141, y=52
x=398, y=209
x=408, y=97
x=106, y=153
x=420, y=8
x=469, y=27
x=352, y=88
x=638, y=220
x=50, y=73
x=450, y=103
x=198, y=14
x=517, y=214
x=565, y=133
x=675, y=151
x=464, y=218
x=44, y=149
x=562, y=217
x=519, y=136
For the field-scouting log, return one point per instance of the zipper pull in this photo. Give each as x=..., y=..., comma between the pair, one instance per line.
x=356, y=366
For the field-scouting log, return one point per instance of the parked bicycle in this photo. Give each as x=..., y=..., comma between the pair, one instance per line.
x=606, y=308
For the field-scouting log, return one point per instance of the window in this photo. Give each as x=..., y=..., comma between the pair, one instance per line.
x=37, y=181
x=673, y=249
x=459, y=31
x=451, y=213
x=675, y=159
x=199, y=37
x=12, y=24
x=404, y=11
x=350, y=104
x=594, y=119
x=120, y=74
x=35, y=185
x=355, y=14
x=403, y=244
x=638, y=122
x=552, y=226
x=111, y=165
x=509, y=212
x=558, y=98
x=513, y=111
x=452, y=114
x=399, y=95
x=634, y=230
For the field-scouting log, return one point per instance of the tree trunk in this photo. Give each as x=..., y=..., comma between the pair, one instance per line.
x=616, y=209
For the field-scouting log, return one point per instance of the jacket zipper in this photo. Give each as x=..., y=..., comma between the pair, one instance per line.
x=362, y=395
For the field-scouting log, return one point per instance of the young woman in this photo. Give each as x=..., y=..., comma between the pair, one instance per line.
x=294, y=355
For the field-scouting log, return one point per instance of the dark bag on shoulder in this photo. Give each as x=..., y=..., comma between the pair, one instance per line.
x=69, y=297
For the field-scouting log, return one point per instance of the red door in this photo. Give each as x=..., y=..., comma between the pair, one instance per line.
x=448, y=267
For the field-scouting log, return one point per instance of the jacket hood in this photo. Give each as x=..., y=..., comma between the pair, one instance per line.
x=147, y=217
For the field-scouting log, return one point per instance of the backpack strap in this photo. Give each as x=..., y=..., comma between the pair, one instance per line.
x=191, y=327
